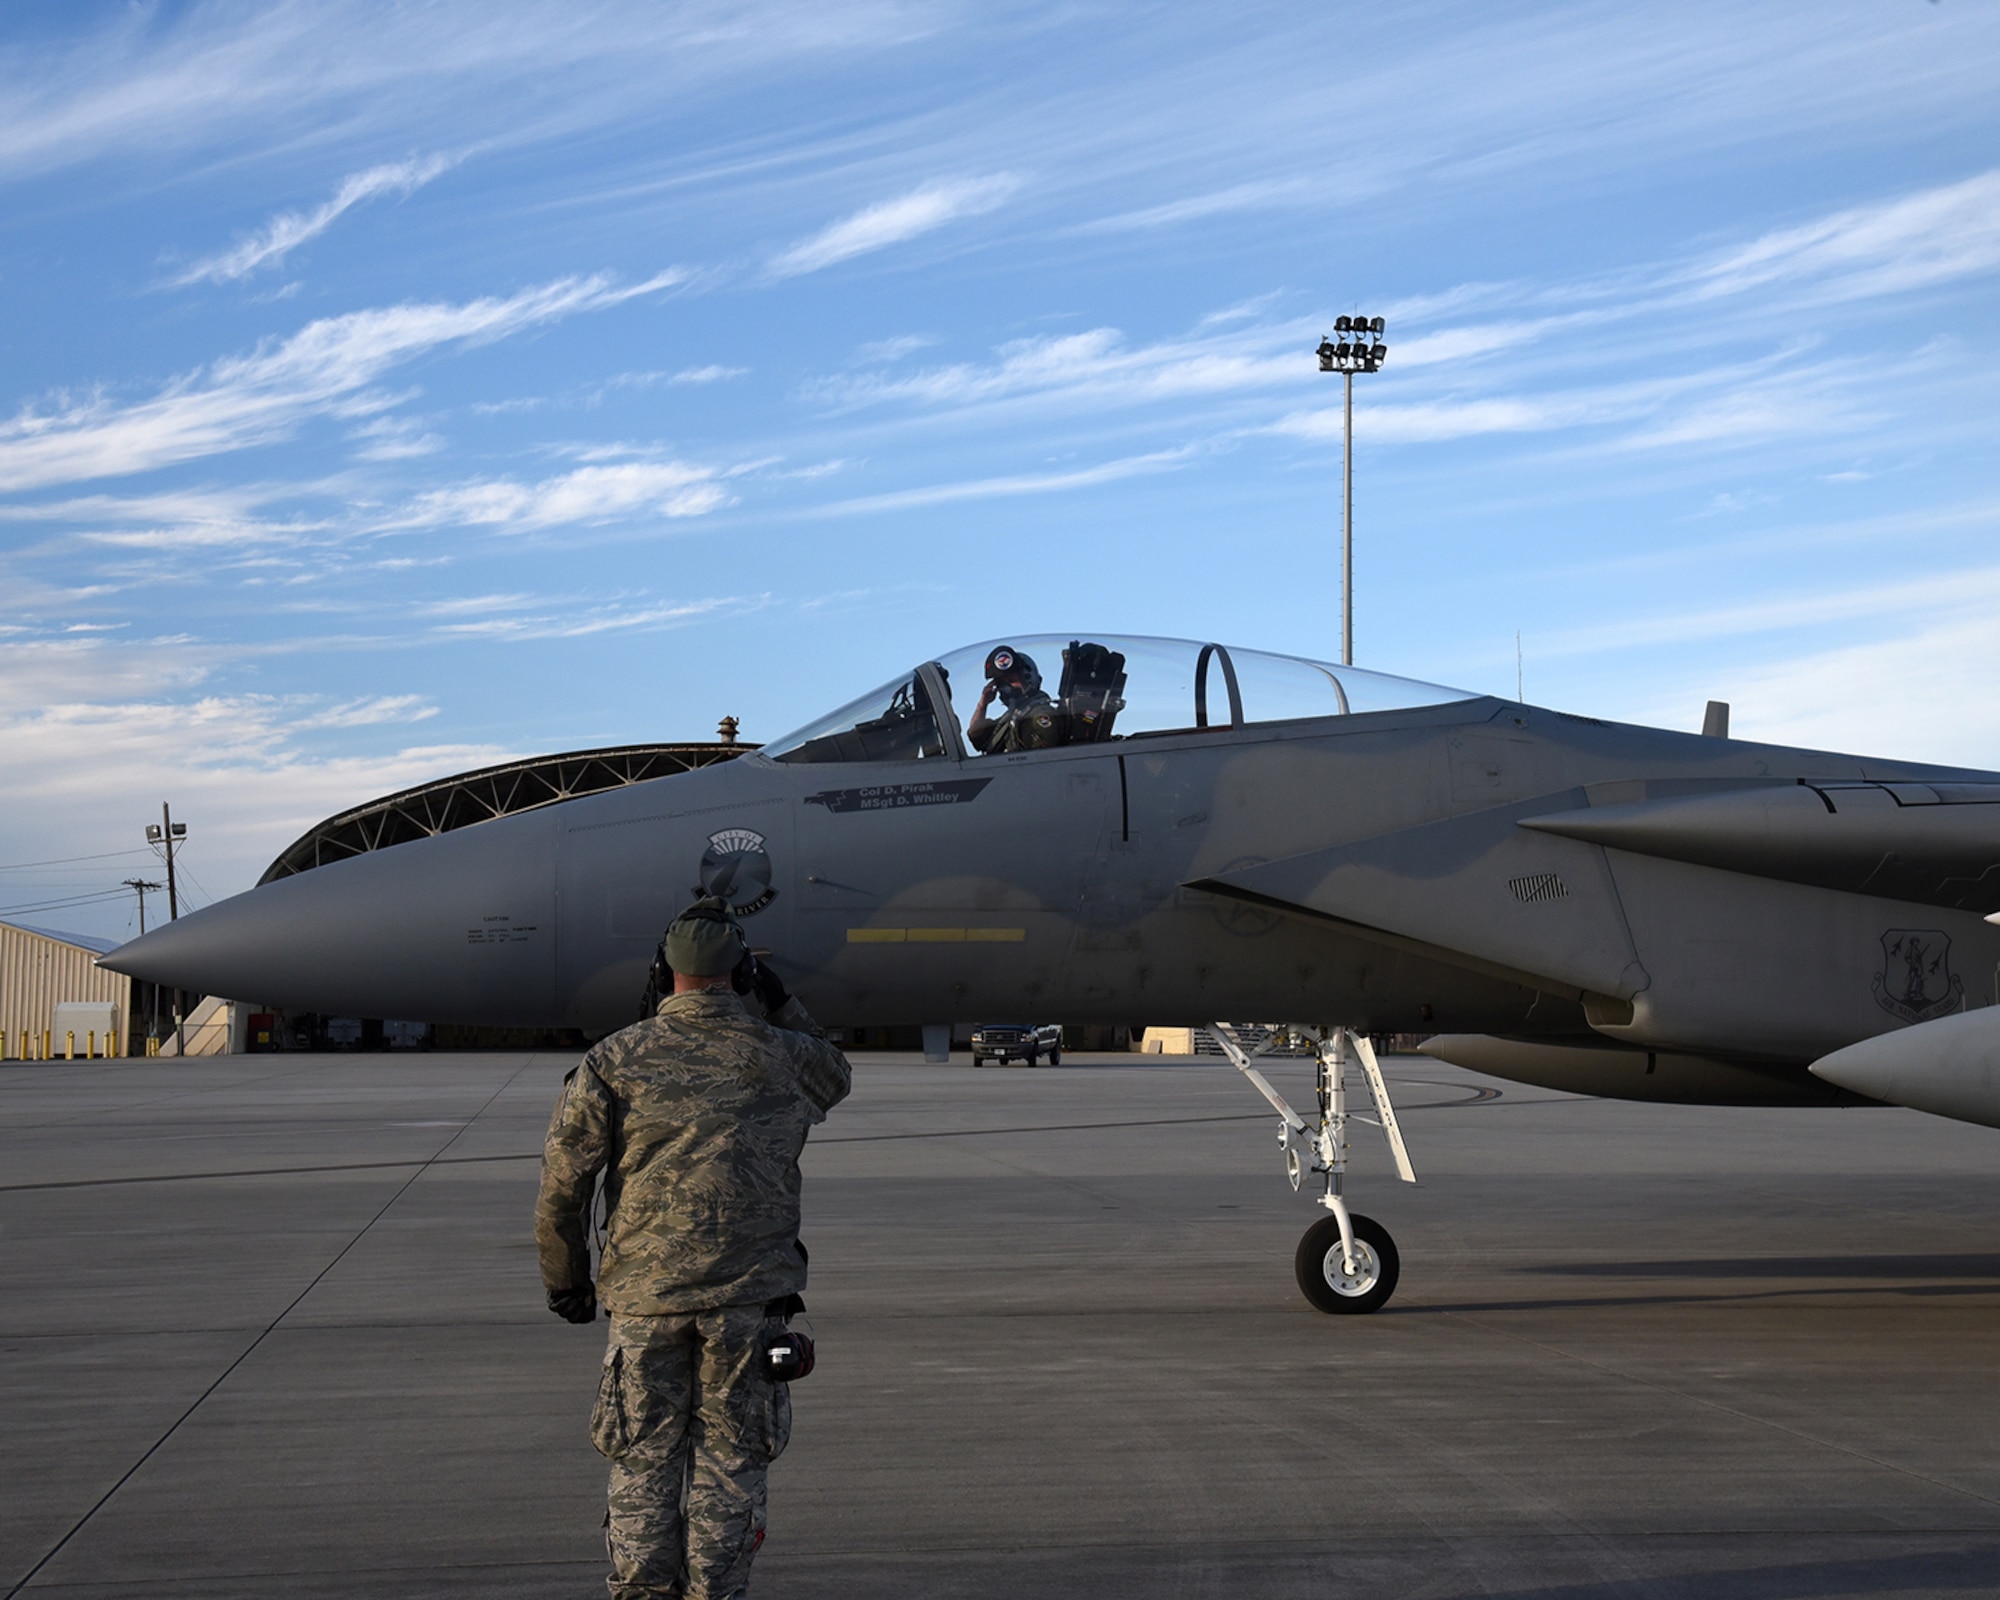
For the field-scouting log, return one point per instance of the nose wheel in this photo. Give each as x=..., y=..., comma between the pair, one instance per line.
x=1333, y=1282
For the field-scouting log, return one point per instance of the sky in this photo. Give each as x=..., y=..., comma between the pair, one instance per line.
x=391, y=390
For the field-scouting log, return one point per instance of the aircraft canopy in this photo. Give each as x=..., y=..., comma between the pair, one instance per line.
x=1092, y=689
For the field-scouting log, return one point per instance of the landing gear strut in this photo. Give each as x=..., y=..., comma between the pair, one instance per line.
x=1346, y=1262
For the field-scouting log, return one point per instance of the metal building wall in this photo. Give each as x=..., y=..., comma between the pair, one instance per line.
x=37, y=971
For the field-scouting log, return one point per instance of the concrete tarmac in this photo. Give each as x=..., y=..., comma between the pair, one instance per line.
x=272, y=1325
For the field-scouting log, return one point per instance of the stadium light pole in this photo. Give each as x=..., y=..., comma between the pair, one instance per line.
x=1360, y=350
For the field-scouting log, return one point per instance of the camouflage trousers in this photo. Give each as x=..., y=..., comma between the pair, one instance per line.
x=690, y=1420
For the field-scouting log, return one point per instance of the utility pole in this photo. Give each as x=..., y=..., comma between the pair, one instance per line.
x=1355, y=353
x=165, y=834
x=144, y=888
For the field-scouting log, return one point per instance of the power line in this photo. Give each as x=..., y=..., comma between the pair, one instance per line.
x=188, y=877
x=63, y=861
x=73, y=900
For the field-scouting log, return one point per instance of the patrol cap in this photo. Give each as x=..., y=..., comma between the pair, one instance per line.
x=703, y=941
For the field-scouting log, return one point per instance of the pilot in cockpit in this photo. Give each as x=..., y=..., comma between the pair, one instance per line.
x=1027, y=720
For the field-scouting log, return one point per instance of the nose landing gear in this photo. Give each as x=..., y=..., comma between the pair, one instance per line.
x=1345, y=1263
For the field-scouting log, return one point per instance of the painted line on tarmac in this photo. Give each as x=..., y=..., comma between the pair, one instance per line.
x=339, y=1256
x=1475, y=1097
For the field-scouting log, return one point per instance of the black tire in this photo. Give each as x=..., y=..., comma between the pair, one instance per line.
x=1055, y=1055
x=1033, y=1057
x=1319, y=1267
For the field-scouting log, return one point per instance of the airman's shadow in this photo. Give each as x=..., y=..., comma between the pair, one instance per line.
x=1970, y=1570
x=1912, y=1276
x=1983, y=1266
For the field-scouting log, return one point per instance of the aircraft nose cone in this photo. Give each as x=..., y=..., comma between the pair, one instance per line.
x=456, y=928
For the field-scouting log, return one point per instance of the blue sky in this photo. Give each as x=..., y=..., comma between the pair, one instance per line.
x=394, y=390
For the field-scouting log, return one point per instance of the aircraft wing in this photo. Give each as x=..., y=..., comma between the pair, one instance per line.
x=1479, y=891
x=1933, y=844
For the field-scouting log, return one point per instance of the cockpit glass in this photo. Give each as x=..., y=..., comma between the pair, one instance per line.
x=1030, y=693
x=1039, y=692
x=895, y=723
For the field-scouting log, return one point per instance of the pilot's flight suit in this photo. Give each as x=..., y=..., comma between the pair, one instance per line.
x=699, y=1114
x=1028, y=726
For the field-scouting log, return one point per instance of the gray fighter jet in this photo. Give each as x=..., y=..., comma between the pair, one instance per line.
x=1173, y=832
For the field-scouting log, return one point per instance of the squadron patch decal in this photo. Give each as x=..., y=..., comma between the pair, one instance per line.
x=736, y=868
x=1916, y=982
x=899, y=796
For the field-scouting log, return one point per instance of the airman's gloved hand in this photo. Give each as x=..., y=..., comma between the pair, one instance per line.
x=575, y=1305
x=772, y=994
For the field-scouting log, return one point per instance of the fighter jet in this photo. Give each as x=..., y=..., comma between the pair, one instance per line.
x=1175, y=832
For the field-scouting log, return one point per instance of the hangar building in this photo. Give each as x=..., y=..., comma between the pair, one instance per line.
x=40, y=971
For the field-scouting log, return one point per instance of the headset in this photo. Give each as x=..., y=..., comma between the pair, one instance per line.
x=789, y=1356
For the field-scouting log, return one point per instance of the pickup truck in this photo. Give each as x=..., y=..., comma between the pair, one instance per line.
x=1003, y=1041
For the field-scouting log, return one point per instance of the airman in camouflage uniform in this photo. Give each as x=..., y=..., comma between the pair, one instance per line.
x=696, y=1116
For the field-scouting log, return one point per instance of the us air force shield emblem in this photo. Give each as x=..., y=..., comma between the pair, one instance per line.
x=736, y=868
x=1916, y=982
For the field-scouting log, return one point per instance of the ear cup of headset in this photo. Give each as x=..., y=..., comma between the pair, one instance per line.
x=789, y=1356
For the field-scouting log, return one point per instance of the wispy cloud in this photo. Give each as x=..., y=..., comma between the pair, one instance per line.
x=1908, y=601
x=1903, y=696
x=709, y=374
x=1952, y=231
x=183, y=519
x=1018, y=484
x=285, y=232
x=395, y=439
x=1429, y=421
x=1097, y=362
x=253, y=399
x=1254, y=196
x=581, y=621
x=251, y=770
x=889, y=222
x=593, y=494
x=369, y=712
x=879, y=352
x=1744, y=404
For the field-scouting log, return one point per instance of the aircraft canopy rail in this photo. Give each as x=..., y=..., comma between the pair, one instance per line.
x=1086, y=689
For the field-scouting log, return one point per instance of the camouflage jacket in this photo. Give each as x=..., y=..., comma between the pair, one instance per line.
x=1029, y=726
x=696, y=1117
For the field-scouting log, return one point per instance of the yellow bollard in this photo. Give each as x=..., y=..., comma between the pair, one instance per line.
x=48, y=1043
x=111, y=1044
x=69, y=1044
x=90, y=1045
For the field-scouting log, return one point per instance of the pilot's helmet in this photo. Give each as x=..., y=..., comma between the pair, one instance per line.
x=1013, y=673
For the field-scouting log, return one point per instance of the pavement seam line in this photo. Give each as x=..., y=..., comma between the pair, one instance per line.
x=1730, y=1411
x=130, y=1472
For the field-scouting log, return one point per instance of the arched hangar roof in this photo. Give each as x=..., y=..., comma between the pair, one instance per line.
x=487, y=794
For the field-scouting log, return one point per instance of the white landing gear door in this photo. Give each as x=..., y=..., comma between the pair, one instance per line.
x=1378, y=1087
